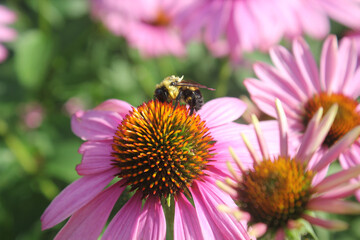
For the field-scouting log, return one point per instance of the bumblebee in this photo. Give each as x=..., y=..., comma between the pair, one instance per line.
x=176, y=89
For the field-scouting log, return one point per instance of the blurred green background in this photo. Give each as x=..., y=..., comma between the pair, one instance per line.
x=64, y=60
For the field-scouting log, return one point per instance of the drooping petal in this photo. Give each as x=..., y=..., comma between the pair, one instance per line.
x=215, y=224
x=222, y=110
x=329, y=224
x=125, y=222
x=337, y=148
x=337, y=179
x=333, y=206
x=75, y=196
x=186, y=222
x=96, y=157
x=152, y=223
x=88, y=222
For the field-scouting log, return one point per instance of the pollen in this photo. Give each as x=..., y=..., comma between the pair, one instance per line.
x=346, y=119
x=274, y=192
x=160, y=150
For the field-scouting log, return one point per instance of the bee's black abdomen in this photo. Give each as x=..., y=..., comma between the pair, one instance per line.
x=198, y=99
x=194, y=99
x=161, y=94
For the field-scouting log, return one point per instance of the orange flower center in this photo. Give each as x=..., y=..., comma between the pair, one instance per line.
x=161, y=19
x=275, y=192
x=160, y=150
x=346, y=119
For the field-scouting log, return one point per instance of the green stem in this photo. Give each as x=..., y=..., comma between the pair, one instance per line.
x=169, y=211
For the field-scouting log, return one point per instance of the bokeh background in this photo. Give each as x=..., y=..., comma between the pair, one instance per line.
x=64, y=60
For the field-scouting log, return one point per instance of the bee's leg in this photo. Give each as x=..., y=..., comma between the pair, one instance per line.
x=191, y=110
x=178, y=98
x=191, y=100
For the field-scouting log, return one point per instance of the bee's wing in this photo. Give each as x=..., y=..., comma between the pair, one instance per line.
x=189, y=83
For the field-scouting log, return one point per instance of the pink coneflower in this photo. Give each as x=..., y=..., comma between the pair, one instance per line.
x=6, y=34
x=159, y=153
x=296, y=81
x=232, y=26
x=147, y=25
x=279, y=191
x=312, y=16
x=236, y=26
x=355, y=37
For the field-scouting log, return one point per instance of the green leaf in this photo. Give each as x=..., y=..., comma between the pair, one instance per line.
x=32, y=58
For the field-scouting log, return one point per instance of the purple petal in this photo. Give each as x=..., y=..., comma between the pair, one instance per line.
x=328, y=63
x=6, y=15
x=285, y=62
x=186, y=222
x=307, y=65
x=125, y=222
x=272, y=76
x=152, y=223
x=88, y=222
x=96, y=157
x=346, y=64
x=215, y=224
x=75, y=196
x=264, y=95
x=114, y=105
x=352, y=88
x=95, y=125
x=222, y=110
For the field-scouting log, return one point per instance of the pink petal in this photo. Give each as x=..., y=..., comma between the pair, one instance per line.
x=285, y=62
x=75, y=196
x=125, y=222
x=314, y=20
x=7, y=34
x=352, y=88
x=6, y=15
x=333, y=206
x=307, y=65
x=222, y=110
x=341, y=192
x=264, y=95
x=337, y=148
x=96, y=157
x=328, y=63
x=337, y=179
x=215, y=224
x=115, y=105
x=346, y=64
x=228, y=132
x=95, y=125
x=245, y=23
x=186, y=222
x=328, y=224
x=152, y=223
x=218, y=20
x=270, y=75
x=88, y=222
x=346, y=12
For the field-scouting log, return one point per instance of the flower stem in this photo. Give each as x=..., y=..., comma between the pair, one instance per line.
x=169, y=211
